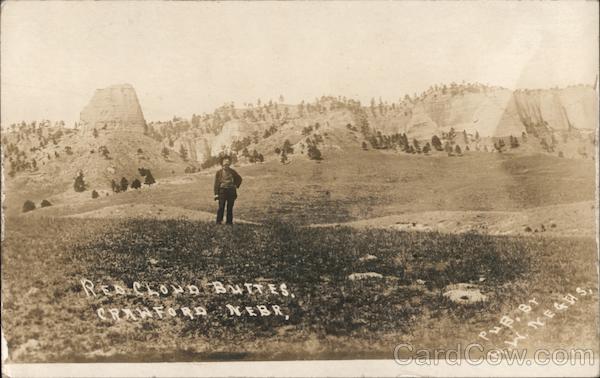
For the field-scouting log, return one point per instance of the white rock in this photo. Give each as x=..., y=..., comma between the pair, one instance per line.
x=464, y=293
x=367, y=258
x=364, y=276
x=117, y=107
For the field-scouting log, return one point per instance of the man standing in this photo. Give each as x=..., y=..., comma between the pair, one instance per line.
x=226, y=182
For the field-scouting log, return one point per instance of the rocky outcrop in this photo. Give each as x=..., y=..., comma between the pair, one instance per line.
x=558, y=109
x=115, y=107
x=495, y=112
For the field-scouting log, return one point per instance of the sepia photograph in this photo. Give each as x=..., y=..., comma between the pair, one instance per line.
x=299, y=188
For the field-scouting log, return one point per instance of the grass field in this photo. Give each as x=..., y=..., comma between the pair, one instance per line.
x=368, y=184
x=47, y=315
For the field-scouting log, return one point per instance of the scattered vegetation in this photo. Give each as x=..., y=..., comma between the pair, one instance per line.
x=340, y=315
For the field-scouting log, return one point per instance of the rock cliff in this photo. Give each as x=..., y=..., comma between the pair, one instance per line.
x=115, y=107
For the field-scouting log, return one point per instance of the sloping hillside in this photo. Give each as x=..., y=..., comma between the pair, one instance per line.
x=112, y=142
x=555, y=121
x=109, y=156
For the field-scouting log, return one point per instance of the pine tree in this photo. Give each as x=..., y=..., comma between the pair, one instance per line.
x=314, y=153
x=373, y=106
x=500, y=145
x=149, y=179
x=426, y=148
x=287, y=147
x=417, y=146
x=79, y=184
x=115, y=187
x=183, y=153
x=448, y=148
x=436, y=143
x=124, y=184
x=451, y=135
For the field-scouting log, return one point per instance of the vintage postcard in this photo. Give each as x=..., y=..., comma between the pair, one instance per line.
x=299, y=188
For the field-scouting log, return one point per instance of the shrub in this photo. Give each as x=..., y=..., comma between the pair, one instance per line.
x=95, y=194
x=136, y=184
x=28, y=206
x=45, y=203
x=124, y=184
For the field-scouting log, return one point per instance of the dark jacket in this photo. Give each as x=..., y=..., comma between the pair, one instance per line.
x=237, y=179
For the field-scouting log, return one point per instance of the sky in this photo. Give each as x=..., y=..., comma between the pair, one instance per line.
x=190, y=57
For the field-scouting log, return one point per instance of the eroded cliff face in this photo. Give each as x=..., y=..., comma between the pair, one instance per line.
x=197, y=147
x=495, y=113
x=559, y=109
x=492, y=113
x=115, y=107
